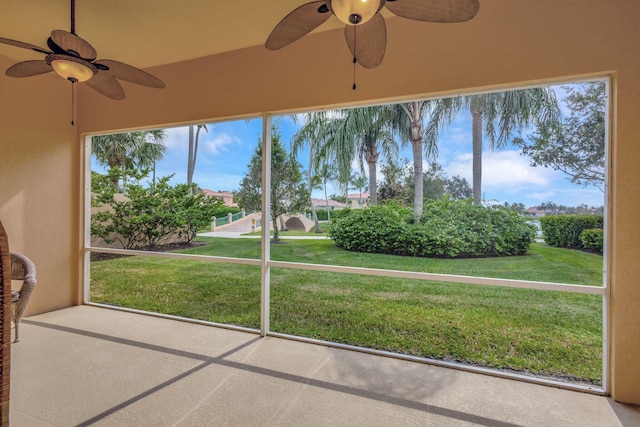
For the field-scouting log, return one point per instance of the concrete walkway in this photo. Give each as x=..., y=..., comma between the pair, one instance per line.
x=94, y=366
x=236, y=229
x=239, y=235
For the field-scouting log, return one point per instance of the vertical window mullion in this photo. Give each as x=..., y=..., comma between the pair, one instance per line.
x=265, y=258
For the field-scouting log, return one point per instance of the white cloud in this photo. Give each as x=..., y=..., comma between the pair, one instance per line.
x=220, y=143
x=456, y=136
x=177, y=138
x=502, y=171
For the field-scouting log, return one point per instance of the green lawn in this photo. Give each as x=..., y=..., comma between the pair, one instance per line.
x=544, y=333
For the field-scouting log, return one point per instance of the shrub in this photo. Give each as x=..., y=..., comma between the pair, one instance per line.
x=376, y=229
x=592, y=239
x=448, y=228
x=339, y=213
x=147, y=217
x=322, y=214
x=564, y=230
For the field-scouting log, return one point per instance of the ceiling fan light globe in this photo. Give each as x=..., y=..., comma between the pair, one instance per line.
x=71, y=69
x=355, y=12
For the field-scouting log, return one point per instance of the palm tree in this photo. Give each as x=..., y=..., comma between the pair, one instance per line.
x=193, y=151
x=497, y=115
x=325, y=173
x=310, y=135
x=408, y=120
x=359, y=182
x=342, y=137
x=128, y=151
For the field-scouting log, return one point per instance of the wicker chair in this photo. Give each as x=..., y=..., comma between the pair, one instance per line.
x=21, y=269
x=5, y=329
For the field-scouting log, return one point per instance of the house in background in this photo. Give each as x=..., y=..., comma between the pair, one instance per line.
x=358, y=200
x=333, y=204
x=534, y=212
x=225, y=196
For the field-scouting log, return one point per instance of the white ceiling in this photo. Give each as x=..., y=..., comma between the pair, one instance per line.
x=145, y=33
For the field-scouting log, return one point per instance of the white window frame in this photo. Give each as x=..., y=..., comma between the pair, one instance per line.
x=265, y=263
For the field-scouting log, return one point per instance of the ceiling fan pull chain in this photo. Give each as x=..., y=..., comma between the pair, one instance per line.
x=355, y=60
x=72, y=99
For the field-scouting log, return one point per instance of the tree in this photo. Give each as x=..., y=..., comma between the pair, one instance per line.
x=338, y=198
x=128, y=151
x=497, y=115
x=408, y=119
x=325, y=173
x=576, y=145
x=516, y=206
x=548, y=207
x=359, y=183
x=458, y=188
x=311, y=137
x=395, y=183
x=193, y=150
x=345, y=136
x=288, y=193
x=434, y=182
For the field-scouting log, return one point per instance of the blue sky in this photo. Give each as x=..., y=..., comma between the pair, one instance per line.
x=225, y=151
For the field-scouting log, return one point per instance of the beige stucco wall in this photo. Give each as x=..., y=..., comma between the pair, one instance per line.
x=39, y=176
x=510, y=43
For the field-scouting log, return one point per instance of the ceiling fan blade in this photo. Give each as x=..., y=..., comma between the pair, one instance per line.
x=298, y=23
x=435, y=10
x=106, y=85
x=72, y=44
x=24, y=45
x=122, y=71
x=368, y=42
x=29, y=68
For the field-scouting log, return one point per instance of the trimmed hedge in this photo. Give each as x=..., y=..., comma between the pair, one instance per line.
x=447, y=229
x=592, y=239
x=564, y=231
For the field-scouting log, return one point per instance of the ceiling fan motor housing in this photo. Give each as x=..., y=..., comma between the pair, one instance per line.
x=355, y=12
x=71, y=68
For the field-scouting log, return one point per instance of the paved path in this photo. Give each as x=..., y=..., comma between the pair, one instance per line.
x=236, y=230
x=239, y=235
x=242, y=225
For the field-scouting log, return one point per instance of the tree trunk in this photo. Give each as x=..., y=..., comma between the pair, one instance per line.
x=190, y=157
x=373, y=185
x=371, y=156
x=314, y=215
x=310, y=184
x=195, y=152
x=476, y=114
x=415, y=112
x=326, y=201
x=116, y=184
x=418, y=181
x=276, y=238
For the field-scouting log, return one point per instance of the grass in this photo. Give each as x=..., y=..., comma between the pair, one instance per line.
x=545, y=333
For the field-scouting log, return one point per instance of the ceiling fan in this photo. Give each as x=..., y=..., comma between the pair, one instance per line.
x=365, y=24
x=74, y=59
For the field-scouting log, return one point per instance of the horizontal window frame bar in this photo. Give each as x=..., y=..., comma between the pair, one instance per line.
x=438, y=277
x=435, y=277
x=172, y=255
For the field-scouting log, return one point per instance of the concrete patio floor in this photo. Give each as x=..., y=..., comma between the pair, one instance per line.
x=93, y=366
